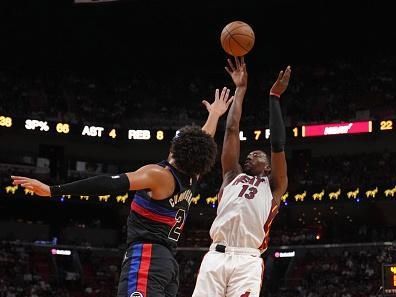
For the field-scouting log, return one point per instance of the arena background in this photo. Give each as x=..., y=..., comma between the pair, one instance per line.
x=101, y=87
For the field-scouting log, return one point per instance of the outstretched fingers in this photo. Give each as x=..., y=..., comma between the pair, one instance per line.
x=20, y=180
x=28, y=186
x=217, y=92
x=207, y=104
x=231, y=65
x=229, y=101
x=237, y=63
x=280, y=75
x=226, y=94
x=15, y=177
x=242, y=65
x=286, y=76
x=223, y=93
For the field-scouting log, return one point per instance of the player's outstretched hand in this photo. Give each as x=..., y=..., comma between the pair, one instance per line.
x=34, y=185
x=221, y=102
x=238, y=72
x=280, y=86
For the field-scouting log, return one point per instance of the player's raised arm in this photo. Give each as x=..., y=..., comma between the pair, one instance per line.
x=153, y=177
x=278, y=136
x=231, y=143
x=216, y=110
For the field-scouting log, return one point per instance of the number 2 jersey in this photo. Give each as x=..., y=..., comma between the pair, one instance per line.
x=245, y=213
x=161, y=221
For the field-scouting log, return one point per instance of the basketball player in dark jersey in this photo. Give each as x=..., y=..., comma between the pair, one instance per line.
x=158, y=211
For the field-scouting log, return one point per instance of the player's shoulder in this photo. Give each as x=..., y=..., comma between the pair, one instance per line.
x=229, y=177
x=156, y=170
x=153, y=167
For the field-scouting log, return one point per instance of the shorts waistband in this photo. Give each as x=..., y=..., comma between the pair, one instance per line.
x=235, y=250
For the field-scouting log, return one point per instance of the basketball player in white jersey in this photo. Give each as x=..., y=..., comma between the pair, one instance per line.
x=249, y=199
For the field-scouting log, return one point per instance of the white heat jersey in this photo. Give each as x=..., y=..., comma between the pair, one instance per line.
x=245, y=213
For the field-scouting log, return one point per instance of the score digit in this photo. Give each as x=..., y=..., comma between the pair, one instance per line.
x=62, y=128
x=257, y=134
x=160, y=135
x=113, y=133
x=295, y=132
x=5, y=121
x=386, y=125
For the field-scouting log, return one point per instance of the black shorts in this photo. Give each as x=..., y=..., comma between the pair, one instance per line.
x=148, y=270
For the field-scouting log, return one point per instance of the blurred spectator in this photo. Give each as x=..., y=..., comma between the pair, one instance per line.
x=335, y=91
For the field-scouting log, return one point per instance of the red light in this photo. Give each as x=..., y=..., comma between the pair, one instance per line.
x=337, y=129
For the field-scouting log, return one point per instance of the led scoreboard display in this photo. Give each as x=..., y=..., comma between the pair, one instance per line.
x=9, y=123
x=389, y=279
x=336, y=129
x=346, y=128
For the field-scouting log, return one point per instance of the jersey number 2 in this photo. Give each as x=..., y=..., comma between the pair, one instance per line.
x=174, y=233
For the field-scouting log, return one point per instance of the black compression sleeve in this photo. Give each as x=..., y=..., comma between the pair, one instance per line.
x=98, y=185
x=276, y=125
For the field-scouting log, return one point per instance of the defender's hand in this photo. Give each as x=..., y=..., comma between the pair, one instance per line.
x=36, y=186
x=280, y=86
x=221, y=102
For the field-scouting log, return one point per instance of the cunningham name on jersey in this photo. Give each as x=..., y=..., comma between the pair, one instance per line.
x=183, y=196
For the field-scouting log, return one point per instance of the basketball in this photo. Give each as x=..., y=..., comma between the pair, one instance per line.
x=237, y=38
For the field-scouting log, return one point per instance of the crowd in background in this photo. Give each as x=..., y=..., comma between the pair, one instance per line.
x=346, y=171
x=330, y=172
x=340, y=272
x=317, y=93
x=19, y=276
x=346, y=273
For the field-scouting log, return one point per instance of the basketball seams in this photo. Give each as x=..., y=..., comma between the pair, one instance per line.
x=236, y=41
x=230, y=36
x=233, y=29
x=251, y=37
x=243, y=47
x=229, y=42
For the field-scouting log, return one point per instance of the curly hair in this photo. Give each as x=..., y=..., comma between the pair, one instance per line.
x=193, y=150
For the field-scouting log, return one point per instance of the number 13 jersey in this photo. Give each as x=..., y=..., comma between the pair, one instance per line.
x=245, y=213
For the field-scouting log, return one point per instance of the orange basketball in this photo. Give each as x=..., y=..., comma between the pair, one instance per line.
x=237, y=38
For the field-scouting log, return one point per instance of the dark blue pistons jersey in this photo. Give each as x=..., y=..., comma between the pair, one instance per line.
x=161, y=221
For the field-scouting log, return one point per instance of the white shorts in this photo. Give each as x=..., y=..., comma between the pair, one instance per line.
x=235, y=273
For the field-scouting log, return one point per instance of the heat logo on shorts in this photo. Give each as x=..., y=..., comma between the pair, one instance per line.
x=246, y=294
x=136, y=294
